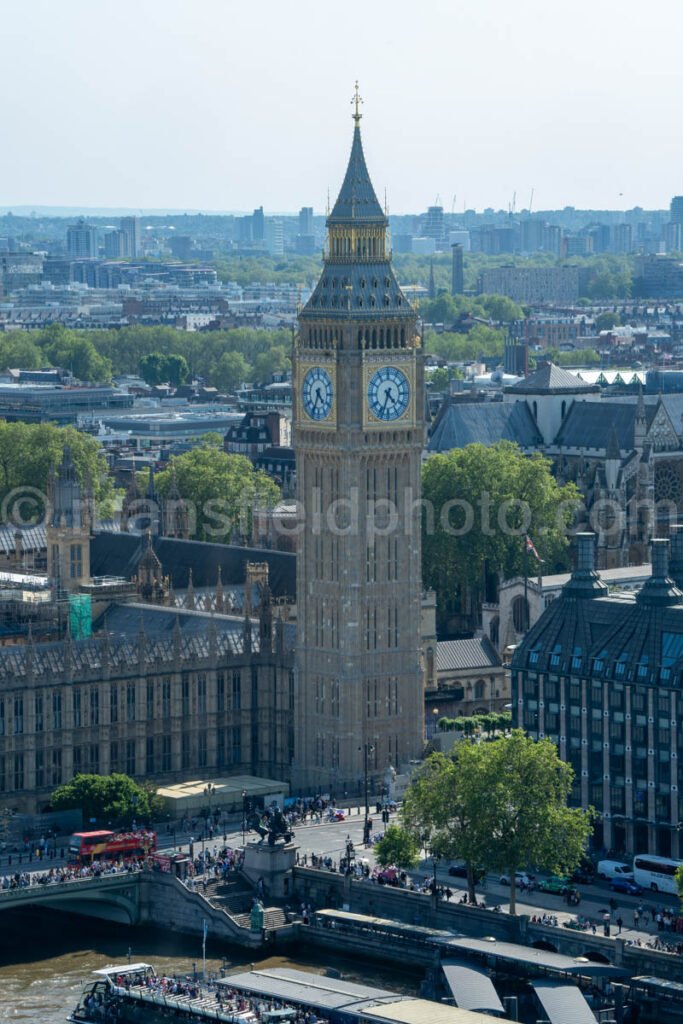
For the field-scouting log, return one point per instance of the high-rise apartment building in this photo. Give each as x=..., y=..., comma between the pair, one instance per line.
x=258, y=225
x=81, y=241
x=306, y=220
x=130, y=226
x=676, y=209
x=358, y=436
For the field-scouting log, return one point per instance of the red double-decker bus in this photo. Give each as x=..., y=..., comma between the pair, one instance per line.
x=86, y=847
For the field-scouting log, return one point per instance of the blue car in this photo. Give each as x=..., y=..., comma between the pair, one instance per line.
x=625, y=885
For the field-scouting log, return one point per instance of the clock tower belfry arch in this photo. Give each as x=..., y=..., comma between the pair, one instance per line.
x=358, y=432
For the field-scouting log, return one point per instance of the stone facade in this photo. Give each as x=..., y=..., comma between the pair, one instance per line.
x=359, y=673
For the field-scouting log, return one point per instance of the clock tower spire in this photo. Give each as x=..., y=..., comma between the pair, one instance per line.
x=358, y=434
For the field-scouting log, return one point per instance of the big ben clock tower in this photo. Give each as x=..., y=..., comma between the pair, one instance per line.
x=358, y=435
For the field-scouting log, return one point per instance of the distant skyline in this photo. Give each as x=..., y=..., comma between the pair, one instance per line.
x=213, y=105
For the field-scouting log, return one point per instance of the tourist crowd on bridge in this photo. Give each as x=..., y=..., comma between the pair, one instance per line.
x=70, y=873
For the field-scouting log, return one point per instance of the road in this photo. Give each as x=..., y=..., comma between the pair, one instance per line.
x=329, y=839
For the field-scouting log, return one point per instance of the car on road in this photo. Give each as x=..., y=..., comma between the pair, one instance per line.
x=582, y=877
x=521, y=878
x=557, y=885
x=625, y=885
x=460, y=871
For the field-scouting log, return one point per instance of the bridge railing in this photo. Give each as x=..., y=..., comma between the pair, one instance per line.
x=29, y=892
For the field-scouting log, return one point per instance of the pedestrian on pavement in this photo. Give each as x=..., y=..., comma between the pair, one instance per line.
x=620, y=924
x=636, y=918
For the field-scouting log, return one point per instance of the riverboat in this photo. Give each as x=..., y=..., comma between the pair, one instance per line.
x=134, y=994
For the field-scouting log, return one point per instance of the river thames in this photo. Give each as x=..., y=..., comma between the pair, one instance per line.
x=45, y=958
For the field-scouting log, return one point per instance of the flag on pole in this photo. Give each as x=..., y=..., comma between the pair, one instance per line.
x=531, y=549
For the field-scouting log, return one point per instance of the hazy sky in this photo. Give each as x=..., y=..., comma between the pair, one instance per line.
x=219, y=105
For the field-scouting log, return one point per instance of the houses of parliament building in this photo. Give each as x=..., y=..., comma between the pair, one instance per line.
x=306, y=668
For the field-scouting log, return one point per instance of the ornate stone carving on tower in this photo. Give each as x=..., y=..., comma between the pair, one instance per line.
x=358, y=434
x=68, y=527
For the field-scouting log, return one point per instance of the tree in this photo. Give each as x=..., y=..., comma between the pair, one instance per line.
x=223, y=491
x=500, y=806
x=479, y=502
x=232, y=369
x=606, y=321
x=18, y=350
x=114, y=799
x=399, y=847
x=28, y=451
x=76, y=352
x=501, y=309
x=157, y=368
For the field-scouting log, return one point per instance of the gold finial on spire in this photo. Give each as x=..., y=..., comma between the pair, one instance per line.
x=357, y=100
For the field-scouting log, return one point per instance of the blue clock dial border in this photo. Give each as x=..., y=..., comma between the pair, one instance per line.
x=317, y=400
x=391, y=403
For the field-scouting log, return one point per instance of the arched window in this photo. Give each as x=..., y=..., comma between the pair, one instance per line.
x=479, y=689
x=520, y=614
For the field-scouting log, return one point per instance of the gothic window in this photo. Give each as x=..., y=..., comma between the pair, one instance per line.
x=56, y=710
x=220, y=692
x=166, y=762
x=237, y=745
x=334, y=698
x=40, y=769
x=75, y=561
x=479, y=689
x=76, y=760
x=130, y=702
x=77, y=708
x=39, y=721
x=18, y=771
x=166, y=698
x=520, y=614
x=149, y=755
x=236, y=691
x=130, y=757
x=494, y=630
x=201, y=695
x=94, y=707
x=18, y=715
x=201, y=749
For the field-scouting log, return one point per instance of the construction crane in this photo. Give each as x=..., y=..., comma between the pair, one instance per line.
x=453, y=203
x=531, y=200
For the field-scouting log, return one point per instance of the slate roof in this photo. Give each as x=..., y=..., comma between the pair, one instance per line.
x=590, y=633
x=358, y=289
x=551, y=379
x=118, y=554
x=589, y=424
x=33, y=538
x=462, y=423
x=458, y=655
x=85, y=658
x=356, y=200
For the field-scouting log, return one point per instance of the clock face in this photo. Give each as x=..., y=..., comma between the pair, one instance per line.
x=388, y=393
x=316, y=393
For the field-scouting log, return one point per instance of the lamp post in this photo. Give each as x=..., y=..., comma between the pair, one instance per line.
x=368, y=748
x=244, y=816
x=209, y=790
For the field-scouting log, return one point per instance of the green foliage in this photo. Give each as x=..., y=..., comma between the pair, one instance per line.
x=499, y=806
x=480, y=343
x=223, y=490
x=469, y=724
x=157, y=368
x=606, y=321
x=74, y=351
x=114, y=799
x=230, y=372
x=577, y=357
x=399, y=847
x=28, y=451
x=679, y=882
x=264, y=351
x=18, y=350
x=480, y=501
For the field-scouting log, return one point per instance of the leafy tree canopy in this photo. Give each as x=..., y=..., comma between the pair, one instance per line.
x=399, y=847
x=74, y=351
x=221, y=489
x=157, y=368
x=115, y=799
x=28, y=451
x=499, y=806
x=480, y=501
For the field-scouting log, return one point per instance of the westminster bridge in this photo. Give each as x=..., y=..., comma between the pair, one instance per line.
x=164, y=901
